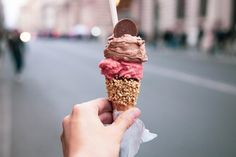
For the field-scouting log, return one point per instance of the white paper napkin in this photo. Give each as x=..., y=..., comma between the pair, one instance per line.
x=133, y=137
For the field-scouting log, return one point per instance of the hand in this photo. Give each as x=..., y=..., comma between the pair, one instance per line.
x=85, y=135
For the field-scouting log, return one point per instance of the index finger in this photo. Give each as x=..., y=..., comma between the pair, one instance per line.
x=101, y=105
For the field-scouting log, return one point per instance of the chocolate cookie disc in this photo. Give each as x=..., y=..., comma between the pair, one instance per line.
x=125, y=26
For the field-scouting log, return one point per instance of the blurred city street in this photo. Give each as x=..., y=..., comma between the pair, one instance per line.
x=187, y=98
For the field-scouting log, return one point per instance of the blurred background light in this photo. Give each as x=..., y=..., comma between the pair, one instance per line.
x=117, y=2
x=25, y=36
x=96, y=31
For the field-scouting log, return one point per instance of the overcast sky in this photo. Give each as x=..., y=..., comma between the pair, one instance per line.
x=11, y=10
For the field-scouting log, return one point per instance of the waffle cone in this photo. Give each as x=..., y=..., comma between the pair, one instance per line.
x=122, y=92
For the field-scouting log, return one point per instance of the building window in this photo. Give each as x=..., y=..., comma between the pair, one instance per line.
x=180, y=9
x=203, y=8
x=233, y=16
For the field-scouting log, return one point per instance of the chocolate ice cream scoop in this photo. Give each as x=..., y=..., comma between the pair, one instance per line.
x=126, y=48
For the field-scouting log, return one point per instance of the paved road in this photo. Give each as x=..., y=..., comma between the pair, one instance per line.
x=188, y=99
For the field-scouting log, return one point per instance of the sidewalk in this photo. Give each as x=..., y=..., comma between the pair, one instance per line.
x=193, y=53
x=5, y=110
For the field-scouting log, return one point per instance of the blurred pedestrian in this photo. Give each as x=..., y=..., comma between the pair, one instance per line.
x=16, y=47
x=221, y=35
x=168, y=38
x=200, y=36
x=183, y=40
x=208, y=42
x=85, y=133
x=1, y=42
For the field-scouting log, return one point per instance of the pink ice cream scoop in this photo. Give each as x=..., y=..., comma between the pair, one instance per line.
x=124, y=57
x=112, y=69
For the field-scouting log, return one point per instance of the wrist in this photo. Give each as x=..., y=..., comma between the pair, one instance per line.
x=80, y=154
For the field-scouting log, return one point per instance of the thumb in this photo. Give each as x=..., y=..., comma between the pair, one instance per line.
x=126, y=119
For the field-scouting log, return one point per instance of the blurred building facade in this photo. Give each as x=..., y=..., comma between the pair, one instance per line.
x=1, y=15
x=1, y=29
x=188, y=16
x=63, y=15
x=152, y=16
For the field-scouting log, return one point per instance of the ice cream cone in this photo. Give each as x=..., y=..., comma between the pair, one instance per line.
x=123, y=92
x=123, y=65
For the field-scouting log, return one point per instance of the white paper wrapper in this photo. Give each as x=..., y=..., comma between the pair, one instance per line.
x=133, y=137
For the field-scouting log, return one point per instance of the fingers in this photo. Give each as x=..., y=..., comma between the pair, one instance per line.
x=98, y=109
x=106, y=117
x=125, y=120
x=65, y=122
x=100, y=105
x=63, y=144
x=64, y=126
